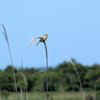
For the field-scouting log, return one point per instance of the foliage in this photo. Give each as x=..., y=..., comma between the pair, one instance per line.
x=5, y=93
x=62, y=77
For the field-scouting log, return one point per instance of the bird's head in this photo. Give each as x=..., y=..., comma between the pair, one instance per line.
x=45, y=34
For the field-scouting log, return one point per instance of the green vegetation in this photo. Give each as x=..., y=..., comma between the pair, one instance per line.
x=53, y=96
x=61, y=78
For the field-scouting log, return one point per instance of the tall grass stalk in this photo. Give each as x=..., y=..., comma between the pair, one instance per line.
x=37, y=73
x=21, y=92
x=79, y=79
x=46, y=70
x=6, y=37
x=43, y=39
x=25, y=80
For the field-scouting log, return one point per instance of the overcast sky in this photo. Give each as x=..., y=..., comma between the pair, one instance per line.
x=73, y=27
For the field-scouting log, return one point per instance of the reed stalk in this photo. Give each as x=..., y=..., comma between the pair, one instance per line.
x=79, y=79
x=43, y=39
x=46, y=70
x=6, y=37
x=25, y=80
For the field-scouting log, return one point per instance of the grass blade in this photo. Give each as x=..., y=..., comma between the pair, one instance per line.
x=79, y=79
x=43, y=39
x=6, y=37
x=46, y=70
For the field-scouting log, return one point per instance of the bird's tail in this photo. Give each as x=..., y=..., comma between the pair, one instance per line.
x=37, y=43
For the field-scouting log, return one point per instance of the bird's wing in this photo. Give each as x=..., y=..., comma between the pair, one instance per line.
x=33, y=39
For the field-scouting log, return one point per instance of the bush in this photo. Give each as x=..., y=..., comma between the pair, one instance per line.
x=5, y=93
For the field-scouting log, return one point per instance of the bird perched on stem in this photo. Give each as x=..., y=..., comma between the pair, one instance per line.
x=42, y=39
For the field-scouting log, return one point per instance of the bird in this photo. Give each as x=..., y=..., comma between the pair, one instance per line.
x=42, y=39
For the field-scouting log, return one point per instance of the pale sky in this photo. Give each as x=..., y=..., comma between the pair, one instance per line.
x=73, y=27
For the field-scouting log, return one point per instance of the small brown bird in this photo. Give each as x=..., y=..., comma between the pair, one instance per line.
x=42, y=39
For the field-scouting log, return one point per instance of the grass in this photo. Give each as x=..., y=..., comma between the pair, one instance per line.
x=79, y=79
x=7, y=40
x=56, y=96
x=46, y=70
